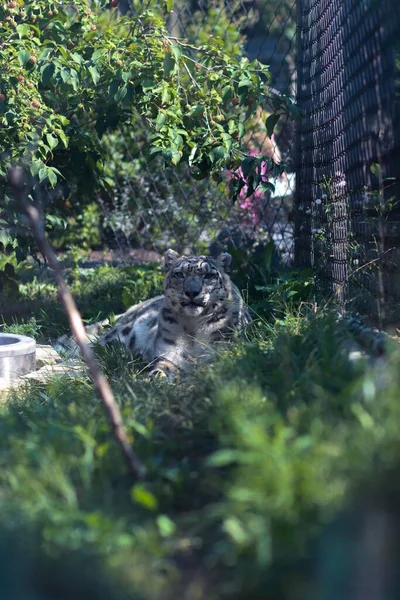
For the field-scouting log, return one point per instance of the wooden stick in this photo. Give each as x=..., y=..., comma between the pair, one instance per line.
x=77, y=327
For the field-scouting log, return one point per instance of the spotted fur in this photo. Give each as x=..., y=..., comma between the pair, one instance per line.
x=200, y=308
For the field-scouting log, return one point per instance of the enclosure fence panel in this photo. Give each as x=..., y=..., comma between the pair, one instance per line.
x=348, y=151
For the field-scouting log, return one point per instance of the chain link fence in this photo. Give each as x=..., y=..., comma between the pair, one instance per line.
x=348, y=170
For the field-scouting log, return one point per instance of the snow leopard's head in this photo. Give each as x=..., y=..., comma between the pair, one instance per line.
x=196, y=284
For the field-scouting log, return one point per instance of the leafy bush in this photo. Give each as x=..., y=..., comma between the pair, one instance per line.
x=74, y=73
x=31, y=328
x=99, y=293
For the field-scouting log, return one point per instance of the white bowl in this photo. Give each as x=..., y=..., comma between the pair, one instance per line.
x=17, y=355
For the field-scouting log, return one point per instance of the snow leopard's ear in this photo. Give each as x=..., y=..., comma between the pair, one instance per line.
x=225, y=260
x=170, y=256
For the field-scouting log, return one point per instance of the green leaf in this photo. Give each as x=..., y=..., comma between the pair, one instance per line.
x=74, y=80
x=156, y=150
x=196, y=111
x=165, y=526
x=94, y=73
x=51, y=140
x=126, y=76
x=265, y=186
x=56, y=221
x=63, y=137
x=245, y=83
x=47, y=72
x=175, y=156
x=165, y=97
x=23, y=57
x=148, y=84
x=144, y=497
x=23, y=30
x=76, y=58
x=35, y=167
x=228, y=141
x=223, y=458
x=376, y=170
x=42, y=174
x=52, y=177
x=217, y=153
x=227, y=94
x=192, y=155
x=65, y=75
x=270, y=124
x=170, y=5
x=63, y=120
x=161, y=119
x=176, y=51
x=121, y=93
x=98, y=54
x=247, y=165
x=4, y=237
x=169, y=64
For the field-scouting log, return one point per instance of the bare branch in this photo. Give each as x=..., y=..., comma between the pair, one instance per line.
x=21, y=191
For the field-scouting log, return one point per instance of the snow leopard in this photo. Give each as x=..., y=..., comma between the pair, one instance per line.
x=200, y=310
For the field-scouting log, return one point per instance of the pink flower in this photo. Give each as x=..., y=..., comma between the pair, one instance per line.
x=253, y=204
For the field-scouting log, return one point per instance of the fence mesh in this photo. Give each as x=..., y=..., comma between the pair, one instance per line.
x=348, y=171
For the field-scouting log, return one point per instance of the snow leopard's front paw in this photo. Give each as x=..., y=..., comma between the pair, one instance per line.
x=163, y=369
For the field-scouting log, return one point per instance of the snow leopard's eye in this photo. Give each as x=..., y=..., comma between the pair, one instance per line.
x=210, y=276
x=179, y=275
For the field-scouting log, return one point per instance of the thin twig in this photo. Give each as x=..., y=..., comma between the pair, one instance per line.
x=371, y=262
x=75, y=320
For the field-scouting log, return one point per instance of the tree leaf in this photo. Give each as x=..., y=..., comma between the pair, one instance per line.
x=94, y=73
x=376, y=170
x=63, y=137
x=4, y=237
x=47, y=72
x=169, y=64
x=270, y=124
x=245, y=83
x=247, y=165
x=221, y=458
x=121, y=93
x=23, y=30
x=35, y=167
x=176, y=156
x=192, y=155
x=170, y=5
x=217, y=153
x=161, y=119
x=42, y=174
x=265, y=186
x=165, y=526
x=176, y=51
x=76, y=58
x=51, y=140
x=52, y=177
x=23, y=57
x=144, y=497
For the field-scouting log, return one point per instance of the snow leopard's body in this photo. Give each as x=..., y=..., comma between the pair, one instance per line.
x=200, y=308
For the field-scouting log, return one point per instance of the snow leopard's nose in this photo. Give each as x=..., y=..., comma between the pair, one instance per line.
x=192, y=288
x=191, y=293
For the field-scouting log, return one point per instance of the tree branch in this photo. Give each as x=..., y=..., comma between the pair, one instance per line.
x=21, y=190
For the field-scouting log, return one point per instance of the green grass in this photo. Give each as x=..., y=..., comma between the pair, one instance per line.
x=246, y=465
x=98, y=293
